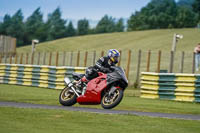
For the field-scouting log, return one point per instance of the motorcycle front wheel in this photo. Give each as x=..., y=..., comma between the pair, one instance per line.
x=110, y=101
x=67, y=97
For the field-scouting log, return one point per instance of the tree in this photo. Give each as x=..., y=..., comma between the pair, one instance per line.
x=83, y=27
x=136, y=22
x=157, y=14
x=196, y=7
x=186, y=18
x=16, y=28
x=164, y=12
x=70, y=30
x=92, y=31
x=34, y=27
x=119, y=25
x=5, y=25
x=106, y=25
x=56, y=25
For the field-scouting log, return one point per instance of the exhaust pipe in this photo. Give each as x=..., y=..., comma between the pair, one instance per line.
x=70, y=85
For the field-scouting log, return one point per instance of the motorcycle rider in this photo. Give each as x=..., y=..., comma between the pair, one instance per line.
x=102, y=65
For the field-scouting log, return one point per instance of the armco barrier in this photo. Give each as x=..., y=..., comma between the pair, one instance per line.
x=35, y=75
x=180, y=87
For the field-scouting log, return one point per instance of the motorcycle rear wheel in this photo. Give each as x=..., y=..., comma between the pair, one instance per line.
x=108, y=102
x=67, y=98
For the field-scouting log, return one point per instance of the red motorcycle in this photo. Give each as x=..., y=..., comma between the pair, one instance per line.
x=106, y=89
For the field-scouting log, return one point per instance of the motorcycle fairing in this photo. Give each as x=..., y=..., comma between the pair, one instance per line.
x=117, y=75
x=93, y=91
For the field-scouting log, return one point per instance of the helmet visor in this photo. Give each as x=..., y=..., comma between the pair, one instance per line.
x=116, y=59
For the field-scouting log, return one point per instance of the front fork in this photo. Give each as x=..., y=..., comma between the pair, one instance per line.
x=112, y=90
x=70, y=85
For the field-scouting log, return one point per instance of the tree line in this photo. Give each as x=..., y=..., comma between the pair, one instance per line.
x=161, y=14
x=157, y=14
x=54, y=28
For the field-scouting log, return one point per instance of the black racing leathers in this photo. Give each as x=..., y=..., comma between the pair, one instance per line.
x=102, y=65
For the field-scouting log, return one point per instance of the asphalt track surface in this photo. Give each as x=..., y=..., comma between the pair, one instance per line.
x=102, y=111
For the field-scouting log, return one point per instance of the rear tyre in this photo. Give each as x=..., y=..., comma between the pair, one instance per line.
x=67, y=97
x=108, y=102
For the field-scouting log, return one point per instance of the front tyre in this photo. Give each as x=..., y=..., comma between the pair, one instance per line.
x=67, y=97
x=110, y=101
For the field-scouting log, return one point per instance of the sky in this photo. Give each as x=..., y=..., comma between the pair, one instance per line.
x=74, y=9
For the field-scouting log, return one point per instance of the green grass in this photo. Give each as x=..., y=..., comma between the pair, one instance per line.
x=145, y=40
x=131, y=101
x=15, y=120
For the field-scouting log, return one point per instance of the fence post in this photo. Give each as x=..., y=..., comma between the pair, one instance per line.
x=138, y=68
x=71, y=58
x=16, y=56
x=128, y=64
x=64, y=56
x=148, y=60
x=14, y=43
x=102, y=53
x=10, y=58
x=182, y=62
x=21, y=58
x=94, y=57
x=57, y=58
x=119, y=63
x=6, y=57
x=85, y=60
x=171, y=65
x=9, y=45
x=38, y=60
x=27, y=54
x=32, y=58
x=0, y=58
x=3, y=45
x=50, y=57
x=193, y=62
x=159, y=60
x=44, y=58
x=78, y=59
x=3, y=57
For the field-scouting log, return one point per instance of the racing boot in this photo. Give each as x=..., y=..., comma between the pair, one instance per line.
x=81, y=84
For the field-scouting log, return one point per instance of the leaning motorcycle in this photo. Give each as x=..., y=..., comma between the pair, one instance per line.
x=106, y=89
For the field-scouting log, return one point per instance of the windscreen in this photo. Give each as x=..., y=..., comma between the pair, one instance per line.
x=118, y=74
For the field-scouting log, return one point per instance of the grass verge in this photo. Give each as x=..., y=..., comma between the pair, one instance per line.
x=50, y=121
x=148, y=39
